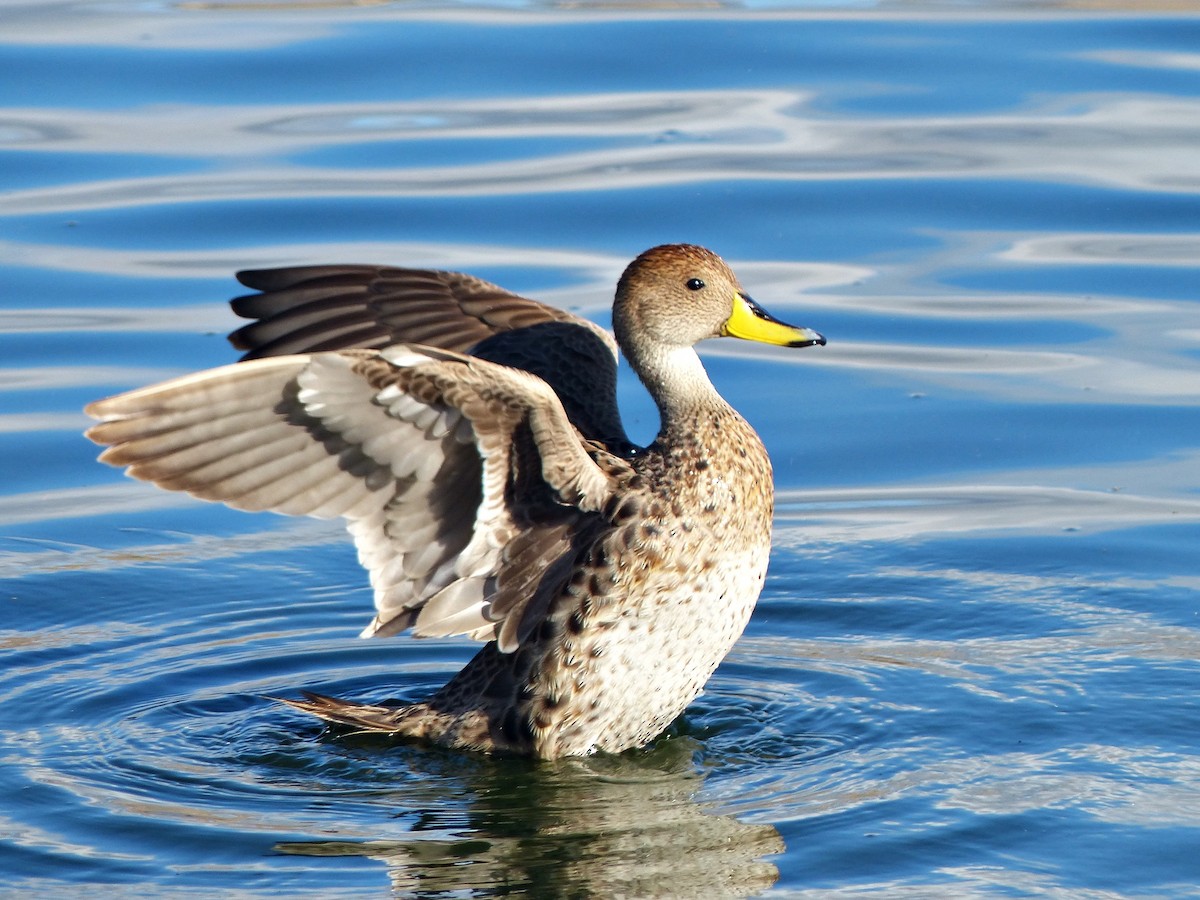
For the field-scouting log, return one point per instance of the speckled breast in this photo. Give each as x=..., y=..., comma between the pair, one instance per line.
x=661, y=600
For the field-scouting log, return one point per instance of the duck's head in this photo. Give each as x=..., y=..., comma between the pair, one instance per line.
x=677, y=295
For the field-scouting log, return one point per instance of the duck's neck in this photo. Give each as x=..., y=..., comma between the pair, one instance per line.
x=680, y=387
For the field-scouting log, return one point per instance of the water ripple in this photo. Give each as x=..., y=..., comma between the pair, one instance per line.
x=1124, y=141
x=974, y=659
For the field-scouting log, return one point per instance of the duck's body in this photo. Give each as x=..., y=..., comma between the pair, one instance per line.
x=637, y=629
x=609, y=580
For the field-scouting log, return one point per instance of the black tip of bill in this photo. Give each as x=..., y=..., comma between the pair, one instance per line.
x=811, y=338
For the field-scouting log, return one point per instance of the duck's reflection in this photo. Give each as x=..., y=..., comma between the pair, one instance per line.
x=609, y=826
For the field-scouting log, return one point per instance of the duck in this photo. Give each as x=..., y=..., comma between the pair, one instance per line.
x=470, y=438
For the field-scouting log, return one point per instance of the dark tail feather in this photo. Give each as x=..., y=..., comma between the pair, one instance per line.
x=468, y=729
x=361, y=717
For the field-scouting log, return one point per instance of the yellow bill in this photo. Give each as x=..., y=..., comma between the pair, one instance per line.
x=751, y=322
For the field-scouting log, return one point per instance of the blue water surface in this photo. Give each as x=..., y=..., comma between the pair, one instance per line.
x=974, y=668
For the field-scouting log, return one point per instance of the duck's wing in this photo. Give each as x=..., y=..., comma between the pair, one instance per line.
x=337, y=307
x=467, y=490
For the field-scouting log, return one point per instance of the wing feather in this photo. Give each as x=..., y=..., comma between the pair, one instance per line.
x=307, y=307
x=323, y=308
x=463, y=482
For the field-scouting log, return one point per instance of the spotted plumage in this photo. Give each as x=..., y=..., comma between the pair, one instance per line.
x=471, y=440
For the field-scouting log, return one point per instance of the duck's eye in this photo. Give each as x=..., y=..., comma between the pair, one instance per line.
x=695, y=284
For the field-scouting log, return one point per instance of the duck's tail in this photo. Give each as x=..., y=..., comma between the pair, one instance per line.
x=359, y=716
x=469, y=729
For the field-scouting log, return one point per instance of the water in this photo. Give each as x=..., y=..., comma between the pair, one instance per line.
x=973, y=671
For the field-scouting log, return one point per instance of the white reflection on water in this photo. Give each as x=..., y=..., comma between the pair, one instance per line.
x=1147, y=59
x=131, y=499
x=94, y=319
x=808, y=518
x=1139, y=363
x=1107, y=249
x=248, y=24
x=1140, y=786
x=1129, y=141
x=256, y=131
x=38, y=378
x=22, y=423
x=593, y=275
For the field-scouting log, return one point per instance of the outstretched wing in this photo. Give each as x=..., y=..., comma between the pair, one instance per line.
x=337, y=307
x=466, y=488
